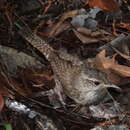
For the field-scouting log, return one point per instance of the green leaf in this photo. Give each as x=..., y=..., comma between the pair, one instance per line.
x=18, y=26
x=8, y=126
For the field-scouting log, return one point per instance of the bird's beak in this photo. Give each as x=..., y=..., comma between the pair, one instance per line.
x=114, y=86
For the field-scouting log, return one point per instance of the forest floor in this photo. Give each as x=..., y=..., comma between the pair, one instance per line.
x=96, y=31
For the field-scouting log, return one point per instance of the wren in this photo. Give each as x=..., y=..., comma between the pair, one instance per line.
x=84, y=85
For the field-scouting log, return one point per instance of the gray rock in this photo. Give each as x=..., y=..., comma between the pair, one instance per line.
x=86, y=19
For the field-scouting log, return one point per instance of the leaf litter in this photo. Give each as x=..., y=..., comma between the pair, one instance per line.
x=86, y=26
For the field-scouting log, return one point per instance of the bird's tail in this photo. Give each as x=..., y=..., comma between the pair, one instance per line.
x=35, y=41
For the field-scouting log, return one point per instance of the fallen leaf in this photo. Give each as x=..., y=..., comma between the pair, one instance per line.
x=65, y=16
x=107, y=64
x=124, y=25
x=115, y=78
x=55, y=30
x=107, y=5
x=3, y=86
x=102, y=62
x=97, y=63
x=85, y=38
x=122, y=70
x=15, y=59
x=2, y=4
x=84, y=31
x=7, y=85
x=37, y=77
x=1, y=102
x=88, y=36
x=121, y=54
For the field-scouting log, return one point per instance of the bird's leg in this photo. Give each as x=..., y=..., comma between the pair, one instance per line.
x=53, y=98
x=56, y=95
x=58, y=91
x=81, y=109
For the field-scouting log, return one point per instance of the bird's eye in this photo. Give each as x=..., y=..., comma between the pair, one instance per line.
x=96, y=82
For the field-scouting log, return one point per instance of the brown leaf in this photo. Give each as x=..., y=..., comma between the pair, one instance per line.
x=62, y=19
x=55, y=30
x=107, y=5
x=5, y=85
x=1, y=102
x=84, y=38
x=115, y=78
x=121, y=54
x=88, y=36
x=106, y=64
x=124, y=25
x=2, y=4
x=37, y=77
x=122, y=70
x=102, y=62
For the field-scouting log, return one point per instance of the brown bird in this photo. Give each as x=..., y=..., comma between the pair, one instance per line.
x=86, y=86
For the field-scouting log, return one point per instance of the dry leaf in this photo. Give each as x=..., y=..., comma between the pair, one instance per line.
x=13, y=59
x=55, y=30
x=84, y=31
x=6, y=84
x=122, y=70
x=102, y=62
x=3, y=86
x=37, y=77
x=124, y=25
x=106, y=64
x=2, y=4
x=121, y=54
x=85, y=38
x=63, y=18
x=1, y=102
x=115, y=78
x=107, y=5
x=88, y=36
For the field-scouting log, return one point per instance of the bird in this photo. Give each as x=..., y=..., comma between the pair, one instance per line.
x=84, y=85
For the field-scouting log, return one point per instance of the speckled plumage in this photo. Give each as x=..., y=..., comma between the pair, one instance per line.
x=85, y=86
